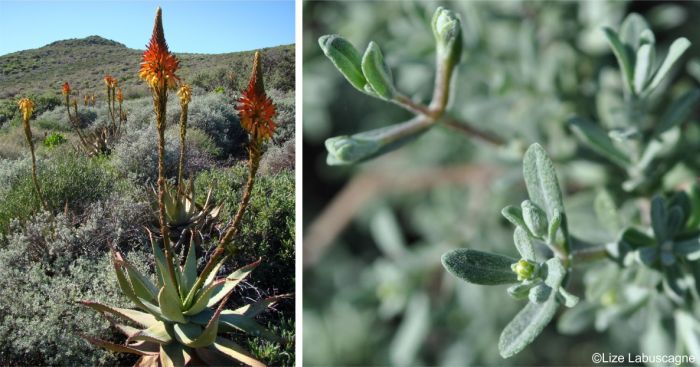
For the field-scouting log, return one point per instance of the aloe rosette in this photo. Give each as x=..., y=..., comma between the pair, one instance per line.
x=183, y=213
x=178, y=323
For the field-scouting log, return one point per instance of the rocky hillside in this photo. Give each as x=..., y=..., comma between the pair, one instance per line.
x=84, y=62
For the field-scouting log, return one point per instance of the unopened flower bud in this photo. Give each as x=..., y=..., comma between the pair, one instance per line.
x=447, y=29
x=525, y=270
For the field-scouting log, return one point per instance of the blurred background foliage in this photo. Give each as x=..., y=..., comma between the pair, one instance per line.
x=374, y=289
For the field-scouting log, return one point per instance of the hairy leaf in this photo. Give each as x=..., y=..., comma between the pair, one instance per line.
x=676, y=50
x=345, y=57
x=595, y=138
x=678, y=112
x=623, y=55
x=479, y=267
x=377, y=72
x=541, y=180
x=524, y=244
x=525, y=327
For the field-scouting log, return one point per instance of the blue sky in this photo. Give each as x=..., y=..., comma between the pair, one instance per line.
x=190, y=26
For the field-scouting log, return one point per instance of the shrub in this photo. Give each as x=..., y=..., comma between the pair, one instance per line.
x=212, y=113
x=285, y=115
x=215, y=115
x=40, y=320
x=136, y=153
x=278, y=158
x=58, y=118
x=267, y=229
x=54, y=139
x=614, y=249
x=66, y=179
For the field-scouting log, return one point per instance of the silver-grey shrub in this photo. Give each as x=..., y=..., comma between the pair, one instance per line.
x=48, y=265
x=212, y=113
x=136, y=156
x=278, y=158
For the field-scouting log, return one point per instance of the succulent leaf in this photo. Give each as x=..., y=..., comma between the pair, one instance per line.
x=126, y=329
x=124, y=284
x=148, y=361
x=116, y=347
x=253, y=309
x=141, y=318
x=229, y=322
x=161, y=271
x=189, y=271
x=233, y=280
x=187, y=334
x=157, y=333
x=235, y=351
x=142, y=286
x=173, y=355
x=169, y=302
x=195, y=338
x=203, y=298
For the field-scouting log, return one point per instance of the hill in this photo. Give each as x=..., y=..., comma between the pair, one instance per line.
x=84, y=62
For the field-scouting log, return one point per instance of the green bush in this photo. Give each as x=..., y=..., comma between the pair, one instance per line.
x=66, y=179
x=267, y=229
x=54, y=139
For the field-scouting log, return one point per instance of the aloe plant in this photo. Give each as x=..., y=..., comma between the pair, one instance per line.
x=179, y=323
x=182, y=213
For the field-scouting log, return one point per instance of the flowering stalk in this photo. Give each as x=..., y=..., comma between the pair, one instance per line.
x=256, y=112
x=185, y=94
x=26, y=106
x=122, y=115
x=111, y=84
x=158, y=68
x=73, y=119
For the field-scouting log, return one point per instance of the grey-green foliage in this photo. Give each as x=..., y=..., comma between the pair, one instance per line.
x=541, y=280
x=211, y=113
x=371, y=75
x=640, y=137
x=523, y=79
x=48, y=264
x=136, y=155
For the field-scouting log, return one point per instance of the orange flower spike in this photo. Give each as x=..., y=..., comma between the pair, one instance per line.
x=255, y=108
x=185, y=94
x=26, y=106
x=120, y=96
x=66, y=89
x=158, y=65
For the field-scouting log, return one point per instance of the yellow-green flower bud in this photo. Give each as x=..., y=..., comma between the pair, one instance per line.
x=525, y=270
